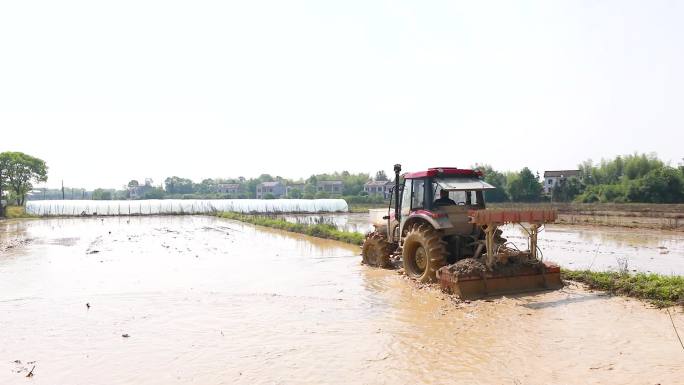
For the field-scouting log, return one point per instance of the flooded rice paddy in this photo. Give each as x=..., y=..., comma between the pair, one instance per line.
x=202, y=300
x=578, y=247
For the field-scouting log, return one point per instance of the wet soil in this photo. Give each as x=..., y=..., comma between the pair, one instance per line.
x=466, y=267
x=603, y=248
x=181, y=300
x=577, y=247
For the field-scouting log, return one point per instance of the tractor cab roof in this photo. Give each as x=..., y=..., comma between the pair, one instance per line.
x=443, y=171
x=451, y=183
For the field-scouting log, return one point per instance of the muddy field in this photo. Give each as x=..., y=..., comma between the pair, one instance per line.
x=181, y=300
x=597, y=248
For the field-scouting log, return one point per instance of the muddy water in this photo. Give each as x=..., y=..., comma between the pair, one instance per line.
x=605, y=248
x=597, y=248
x=210, y=301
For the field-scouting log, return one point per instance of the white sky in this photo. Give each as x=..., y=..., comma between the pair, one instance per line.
x=106, y=91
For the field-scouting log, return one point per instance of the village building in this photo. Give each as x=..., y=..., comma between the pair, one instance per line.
x=229, y=188
x=554, y=178
x=138, y=192
x=276, y=189
x=378, y=187
x=332, y=187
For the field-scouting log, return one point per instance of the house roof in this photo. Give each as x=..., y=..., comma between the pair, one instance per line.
x=375, y=183
x=270, y=184
x=561, y=173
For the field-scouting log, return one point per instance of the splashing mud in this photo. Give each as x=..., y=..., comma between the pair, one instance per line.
x=211, y=301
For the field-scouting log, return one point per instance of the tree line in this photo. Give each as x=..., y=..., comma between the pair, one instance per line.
x=642, y=178
x=185, y=188
x=18, y=172
x=634, y=178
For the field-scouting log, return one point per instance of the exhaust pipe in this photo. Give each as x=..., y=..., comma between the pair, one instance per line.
x=397, y=206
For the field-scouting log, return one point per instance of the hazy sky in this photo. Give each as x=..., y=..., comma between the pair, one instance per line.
x=106, y=91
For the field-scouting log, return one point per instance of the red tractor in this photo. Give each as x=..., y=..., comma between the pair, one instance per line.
x=441, y=230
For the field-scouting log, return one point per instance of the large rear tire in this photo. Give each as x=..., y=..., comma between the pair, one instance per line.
x=424, y=253
x=376, y=250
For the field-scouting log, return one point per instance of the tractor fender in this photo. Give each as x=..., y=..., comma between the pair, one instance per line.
x=436, y=223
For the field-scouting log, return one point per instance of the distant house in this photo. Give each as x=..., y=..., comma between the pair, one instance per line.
x=229, y=188
x=553, y=178
x=138, y=192
x=277, y=189
x=294, y=186
x=378, y=187
x=333, y=187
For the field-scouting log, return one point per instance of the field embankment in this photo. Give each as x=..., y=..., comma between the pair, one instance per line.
x=323, y=230
x=661, y=290
x=635, y=215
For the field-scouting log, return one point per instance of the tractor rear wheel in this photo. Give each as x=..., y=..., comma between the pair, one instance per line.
x=424, y=253
x=376, y=250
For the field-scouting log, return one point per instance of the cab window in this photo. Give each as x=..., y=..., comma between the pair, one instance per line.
x=406, y=199
x=418, y=195
x=468, y=198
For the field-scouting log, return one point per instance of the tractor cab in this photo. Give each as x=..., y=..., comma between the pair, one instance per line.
x=440, y=197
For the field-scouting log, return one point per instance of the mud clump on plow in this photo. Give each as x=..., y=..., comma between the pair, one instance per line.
x=502, y=270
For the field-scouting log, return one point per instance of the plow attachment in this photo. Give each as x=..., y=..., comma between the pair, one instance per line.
x=502, y=270
x=524, y=278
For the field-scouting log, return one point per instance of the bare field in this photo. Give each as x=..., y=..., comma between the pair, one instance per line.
x=201, y=300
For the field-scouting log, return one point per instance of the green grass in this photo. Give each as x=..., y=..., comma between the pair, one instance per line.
x=661, y=290
x=16, y=212
x=326, y=231
x=364, y=207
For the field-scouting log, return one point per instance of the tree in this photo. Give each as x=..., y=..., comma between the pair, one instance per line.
x=566, y=190
x=497, y=180
x=380, y=175
x=102, y=194
x=4, y=164
x=295, y=193
x=207, y=186
x=353, y=184
x=133, y=183
x=177, y=185
x=658, y=186
x=154, y=193
x=525, y=187
x=266, y=178
x=20, y=172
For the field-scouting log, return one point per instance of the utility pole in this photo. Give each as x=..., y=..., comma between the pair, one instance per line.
x=62, y=189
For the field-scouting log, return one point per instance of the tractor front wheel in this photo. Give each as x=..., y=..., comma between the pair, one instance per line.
x=424, y=253
x=376, y=250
